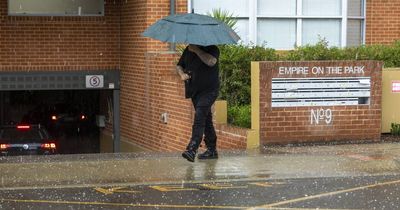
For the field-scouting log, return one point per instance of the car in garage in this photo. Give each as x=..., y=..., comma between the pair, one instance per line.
x=64, y=113
x=26, y=139
x=61, y=118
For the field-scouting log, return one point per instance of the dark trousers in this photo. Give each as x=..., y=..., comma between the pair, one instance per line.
x=202, y=123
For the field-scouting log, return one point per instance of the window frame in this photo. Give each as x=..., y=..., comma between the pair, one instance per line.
x=299, y=17
x=54, y=14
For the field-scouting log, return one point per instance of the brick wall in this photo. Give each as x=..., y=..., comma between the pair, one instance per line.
x=140, y=73
x=59, y=43
x=150, y=87
x=383, y=22
x=148, y=84
x=158, y=90
x=283, y=125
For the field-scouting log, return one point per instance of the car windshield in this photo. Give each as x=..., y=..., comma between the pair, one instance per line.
x=63, y=108
x=14, y=135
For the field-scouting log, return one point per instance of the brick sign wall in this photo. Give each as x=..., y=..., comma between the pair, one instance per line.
x=319, y=101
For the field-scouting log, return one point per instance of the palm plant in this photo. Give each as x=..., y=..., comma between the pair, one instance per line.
x=224, y=16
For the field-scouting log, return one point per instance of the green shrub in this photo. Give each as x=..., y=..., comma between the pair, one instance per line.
x=395, y=129
x=390, y=54
x=240, y=115
x=319, y=51
x=235, y=67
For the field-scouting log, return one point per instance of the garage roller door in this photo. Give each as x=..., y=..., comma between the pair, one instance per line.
x=51, y=80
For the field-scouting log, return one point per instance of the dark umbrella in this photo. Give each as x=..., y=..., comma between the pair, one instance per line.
x=191, y=28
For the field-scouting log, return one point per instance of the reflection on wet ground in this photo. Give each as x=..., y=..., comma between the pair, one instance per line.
x=271, y=162
x=362, y=176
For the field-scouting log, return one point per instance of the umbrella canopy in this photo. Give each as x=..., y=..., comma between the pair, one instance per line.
x=191, y=28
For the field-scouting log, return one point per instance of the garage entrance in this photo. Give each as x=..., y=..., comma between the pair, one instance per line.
x=74, y=107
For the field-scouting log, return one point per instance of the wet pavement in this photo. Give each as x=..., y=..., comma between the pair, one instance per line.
x=273, y=163
x=308, y=193
x=352, y=176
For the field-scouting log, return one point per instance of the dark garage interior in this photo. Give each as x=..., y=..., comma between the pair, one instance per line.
x=68, y=115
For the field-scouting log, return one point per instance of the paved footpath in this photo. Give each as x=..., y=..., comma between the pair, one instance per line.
x=363, y=176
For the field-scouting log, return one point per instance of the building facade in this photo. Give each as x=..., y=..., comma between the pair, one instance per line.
x=109, y=40
x=285, y=24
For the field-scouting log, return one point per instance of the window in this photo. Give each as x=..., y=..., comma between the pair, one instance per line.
x=284, y=24
x=355, y=8
x=317, y=29
x=56, y=7
x=355, y=24
x=321, y=8
x=239, y=8
x=354, y=33
x=284, y=36
x=242, y=26
x=272, y=7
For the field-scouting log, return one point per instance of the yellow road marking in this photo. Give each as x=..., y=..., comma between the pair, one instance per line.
x=110, y=191
x=104, y=191
x=325, y=194
x=127, y=191
x=266, y=184
x=146, y=205
x=221, y=186
x=123, y=204
x=129, y=184
x=275, y=208
x=172, y=188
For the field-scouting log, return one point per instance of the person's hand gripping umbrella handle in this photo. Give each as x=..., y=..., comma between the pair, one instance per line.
x=185, y=76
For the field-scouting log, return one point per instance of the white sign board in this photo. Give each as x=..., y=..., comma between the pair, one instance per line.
x=320, y=91
x=94, y=81
x=321, y=70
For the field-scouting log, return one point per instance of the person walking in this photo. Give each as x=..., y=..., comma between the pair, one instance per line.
x=198, y=68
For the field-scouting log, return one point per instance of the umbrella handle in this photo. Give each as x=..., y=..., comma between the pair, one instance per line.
x=189, y=73
x=191, y=5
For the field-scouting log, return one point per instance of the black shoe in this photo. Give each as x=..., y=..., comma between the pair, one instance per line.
x=189, y=155
x=209, y=154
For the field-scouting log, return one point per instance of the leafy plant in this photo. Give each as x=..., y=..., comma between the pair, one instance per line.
x=224, y=16
x=235, y=71
x=319, y=51
x=240, y=116
x=395, y=129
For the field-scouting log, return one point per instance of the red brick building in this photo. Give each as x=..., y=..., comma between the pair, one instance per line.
x=148, y=84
